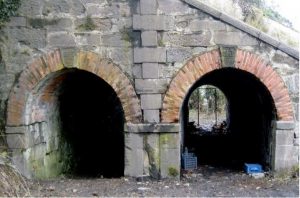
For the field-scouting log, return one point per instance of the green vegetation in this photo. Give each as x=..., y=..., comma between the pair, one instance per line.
x=173, y=172
x=40, y=23
x=8, y=8
x=88, y=25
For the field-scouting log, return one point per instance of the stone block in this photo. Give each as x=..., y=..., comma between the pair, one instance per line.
x=151, y=146
x=205, y=8
x=284, y=137
x=150, y=70
x=91, y=39
x=151, y=101
x=285, y=157
x=36, y=38
x=31, y=8
x=61, y=40
x=149, y=38
x=134, y=165
x=148, y=6
x=176, y=8
x=234, y=38
x=20, y=163
x=68, y=55
x=178, y=54
x=101, y=24
x=146, y=86
x=285, y=125
x=17, y=21
x=228, y=56
x=202, y=25
x=151, y=116
x=16, y=141
x=116, y=40
x=169, y=140
x=153, y=128
x=152, y=22
x=151, y=55
x=16, y=130
x=170, y=163
x=188, y=40
x=137, y=71
x=133, y=141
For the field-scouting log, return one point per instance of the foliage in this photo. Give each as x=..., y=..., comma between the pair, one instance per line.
x=248, y=8
x=89, y=25
x=8, y=8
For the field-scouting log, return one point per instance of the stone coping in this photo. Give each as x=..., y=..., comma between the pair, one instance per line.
x=285, y=125
x=151, y=128
x=244, y=27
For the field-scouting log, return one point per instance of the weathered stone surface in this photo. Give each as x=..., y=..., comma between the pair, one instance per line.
x=188, y=40
x=152, y=22
x=31, y=8
x=152, y=149
x=134, y=140
x=151, y=85
x=151, y=55
x=56, y=6
x=150, y=70
x=137, y=71
x=116, y=40
x=228, y=56
x=17, y=22
x=169, y=140
x=284, y=137
x=91, y=39
x=155, y=128
x=234, y=38
x=151, y=101
x=149, y=38
x=148, y=6
x=285, y=125
x=170, y=163
x=178, y=54
x=32, y=37
x=202, y=25
x=68, y=56
x=61, y=40
x=16, y=141
x=101, y=24
x=285, y=157
x=151, y=116
x=16, y=130
x=171, y=7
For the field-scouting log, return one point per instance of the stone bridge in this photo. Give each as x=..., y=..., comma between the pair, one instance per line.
x=93, y=87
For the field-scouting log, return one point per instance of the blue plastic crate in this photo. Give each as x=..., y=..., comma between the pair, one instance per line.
x=189, y=161
x=253, y=168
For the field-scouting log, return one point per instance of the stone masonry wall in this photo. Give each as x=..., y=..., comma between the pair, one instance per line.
x=150, y=41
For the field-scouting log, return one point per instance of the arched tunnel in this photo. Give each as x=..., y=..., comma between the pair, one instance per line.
x=87, y=116
x=249, y=115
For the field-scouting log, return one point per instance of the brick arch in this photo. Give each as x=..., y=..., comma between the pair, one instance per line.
x=88, y=61
x=198, y=66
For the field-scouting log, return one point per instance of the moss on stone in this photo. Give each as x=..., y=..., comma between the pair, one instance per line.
x=41, y=23
x=173, y=172
x=88, y=25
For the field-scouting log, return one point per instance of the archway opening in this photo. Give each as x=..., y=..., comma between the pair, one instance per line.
x=249, y=114
x=84, y=124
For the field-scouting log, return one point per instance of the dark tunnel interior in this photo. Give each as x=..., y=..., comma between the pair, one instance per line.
x=92, y=122
x=250, y=114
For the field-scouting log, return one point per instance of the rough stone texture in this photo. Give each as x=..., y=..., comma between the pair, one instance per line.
x=150, y=85
x=148, y=6
x=234, y=38
x=151, y=116
x=284, y=137
x=151, y=22
x=152, y=55
x=155, y=128
x=188, y=40
x=150, y=70
x=61, y=40
x=149, y=38
x=285, y=125
x=202, y=25
x=285, y=157
x=151, y=101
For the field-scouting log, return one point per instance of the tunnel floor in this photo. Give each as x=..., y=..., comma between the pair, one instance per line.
x=250, y=114
x=91, y=126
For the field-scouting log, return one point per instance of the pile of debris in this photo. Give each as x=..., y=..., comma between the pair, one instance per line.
x=215, y=129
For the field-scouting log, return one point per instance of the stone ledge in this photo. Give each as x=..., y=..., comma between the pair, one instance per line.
x=151, y=128
x=244, y=27
x=285, y=125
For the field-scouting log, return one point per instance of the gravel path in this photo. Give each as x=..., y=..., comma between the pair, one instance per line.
x=204, y=182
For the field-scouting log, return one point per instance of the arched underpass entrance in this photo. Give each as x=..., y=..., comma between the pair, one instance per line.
x=249, y=118
x=85, y=119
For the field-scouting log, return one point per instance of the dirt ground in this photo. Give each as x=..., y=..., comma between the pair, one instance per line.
x=206, y=181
